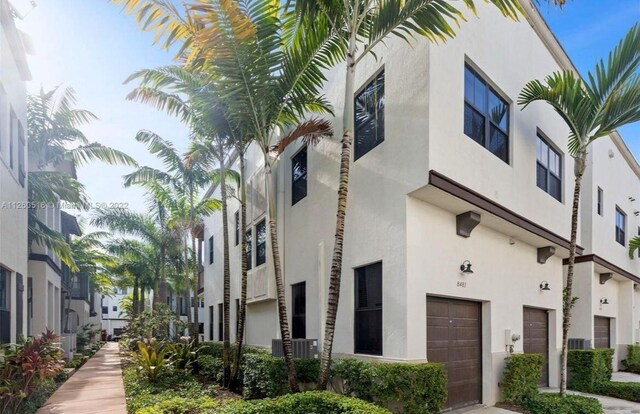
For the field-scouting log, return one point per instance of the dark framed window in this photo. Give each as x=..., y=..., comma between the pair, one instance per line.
x=621, y=226
x=211, y=323
x=105, y=309
x=299, y=176
x=115, y=309
x=211, y=250
x=220, y=322
x=600, y=206
x=299, y=306
x=368, y=309
x=249, y=248
x=369, y=117
x=237, y=314
x=237, y=228
x=261, y=243
x=21, y=145
x=548, y=169
x=4, y=289
x=201, y=328
x=486, y=115
x=183, y=307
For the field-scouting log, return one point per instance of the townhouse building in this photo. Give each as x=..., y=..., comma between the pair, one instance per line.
x=14, y=72
x=113, y=322
x=458, y=216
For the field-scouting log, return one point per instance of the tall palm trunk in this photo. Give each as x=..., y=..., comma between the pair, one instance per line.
x=187, y=285
x=282, y=304
x=135, y=302
x=343, y=189
x=194, y=306
x=243, y=283
x=567, y=296
x=226, y=274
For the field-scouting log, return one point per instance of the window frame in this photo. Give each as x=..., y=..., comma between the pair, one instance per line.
x=211, y=318
x=371, y=81
x=114, y=308
x=237, y=228
x=220, y=321
x=549, y=174
x=260, y=260
x=249, y=248
x=295, y=199
x=621, y=213
x=301, y=318
x=600, y=202
x=378, y=308
x=486, y=115
x=211, y=241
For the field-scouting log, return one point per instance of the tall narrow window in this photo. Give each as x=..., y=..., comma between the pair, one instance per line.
x=261, y=243
x=548, y=169
x=4, y=279
x=13, y=133
x=298, y=316
x=211, y=323
x=600, y=201
x=299, y=176
x=21, y=145
x=211, y=250
x=237, y=228
x=249, y=252
x=369, y=117
x=183, y=307
x=368, y=309
x=220, y=322
x=621, y=226
x=237, y=314
x=486, y=115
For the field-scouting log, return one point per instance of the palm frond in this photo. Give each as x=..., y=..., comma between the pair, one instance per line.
x=634, y=245
x=97, y=152
x=310, y=131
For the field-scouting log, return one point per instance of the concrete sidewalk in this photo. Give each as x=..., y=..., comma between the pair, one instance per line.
x=97, y=387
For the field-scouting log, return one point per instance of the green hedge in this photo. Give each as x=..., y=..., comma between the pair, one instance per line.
x=416, y=388
x=589, y=368
x=632, y=363
x=215, y=349
x=179, y=405
x=210, y=367
x=521, y=377
x=315, y=402
x=629, y=391
x=547, y=403
x=264, y=375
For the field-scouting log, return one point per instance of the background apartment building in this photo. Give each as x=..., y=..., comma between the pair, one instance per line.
x=14, y=72
x=458, y=218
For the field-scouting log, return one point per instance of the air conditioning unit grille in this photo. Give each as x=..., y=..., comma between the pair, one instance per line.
x=579, y=343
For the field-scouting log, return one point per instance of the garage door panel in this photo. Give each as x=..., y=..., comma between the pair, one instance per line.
x=454, y=339
x=536, y=338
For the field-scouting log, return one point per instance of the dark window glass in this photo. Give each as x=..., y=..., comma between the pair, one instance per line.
x=211, y=250
x=211, y=323
x=486, y=115
x=237, y=314
x=621, y=226
x=4, y=279
x=105, y=309
x=220, y=322
x=369, y=116
x=249, y=241
x=201, y=328
x=368, y=309
x=261, y=243
x=183, y=307
x=21, y=144
x=237, y=234
x=548, y=169
x=298, y=316
x=115, y=309
x=299, y=176
x=600, y=207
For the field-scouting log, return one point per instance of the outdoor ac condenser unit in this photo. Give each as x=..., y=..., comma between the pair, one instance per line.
x=302, y=348
x=579, y=343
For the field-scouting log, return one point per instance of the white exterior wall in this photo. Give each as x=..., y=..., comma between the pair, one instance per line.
x=112, y=319
x=13, y=219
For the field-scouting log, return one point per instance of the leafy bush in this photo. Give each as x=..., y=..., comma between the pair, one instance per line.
x=210, y=367
x=215, y=349
x=414, y=388
x=632, y=363
x=24, y=367
x=547, y=403
x=266, y=376
x=151, y=359
x=589, y=368
x=76, y=362
x=183, y=354
x=316, y=402
x=179, y=405
x=629, y=391
x=39, y=396
x=521, y=377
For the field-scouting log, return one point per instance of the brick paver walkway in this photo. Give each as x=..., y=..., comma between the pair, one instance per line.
x=95, y=388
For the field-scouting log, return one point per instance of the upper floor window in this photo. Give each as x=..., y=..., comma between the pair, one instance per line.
x=369, y=117
x=4, y=281
x=486, y=115
x=115, y=309
x=621, y=225
x=105, y=309
x=368, y=309
x=210, y=249
x=600, y=206
x=548, y=169
x=261, y=243
x=249, y=251
x=237, y=228
x=299, y=176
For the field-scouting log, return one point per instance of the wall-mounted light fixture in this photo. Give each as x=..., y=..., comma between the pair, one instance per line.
x=465, y=267
x=544, y=285
x=604, y=301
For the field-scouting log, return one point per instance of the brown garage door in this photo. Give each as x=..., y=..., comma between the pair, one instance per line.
x=454, y=338
x=536, y=338
x=601, y=332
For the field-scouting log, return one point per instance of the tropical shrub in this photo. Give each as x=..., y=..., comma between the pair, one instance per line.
x=589, y=368
x=156, y=324
x=317, y=402
x=151, y=359
x=183, y=354
x=215, y=349
x=521, y=377
x=180, y=405
x=39, y=396
x=210, y=367
x=414, y=388
x=266, y=376
x=24, y=367
x=547, y=403
x=632, y=362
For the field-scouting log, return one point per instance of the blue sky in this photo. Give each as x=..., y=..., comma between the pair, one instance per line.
x=90, y=45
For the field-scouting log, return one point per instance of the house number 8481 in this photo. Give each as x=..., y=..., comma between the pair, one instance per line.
x=462, y=284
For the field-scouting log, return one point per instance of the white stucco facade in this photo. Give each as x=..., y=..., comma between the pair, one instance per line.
x=404, y=198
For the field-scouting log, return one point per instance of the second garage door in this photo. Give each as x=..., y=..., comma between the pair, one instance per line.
x=536, y=337
x=454, y=338
x=601, y=332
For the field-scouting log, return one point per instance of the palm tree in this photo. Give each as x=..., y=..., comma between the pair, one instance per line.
x=634, y=244
x=358, y=27
x=591, y=109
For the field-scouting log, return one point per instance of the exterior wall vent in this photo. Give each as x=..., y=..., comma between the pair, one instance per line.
x=302, y=348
